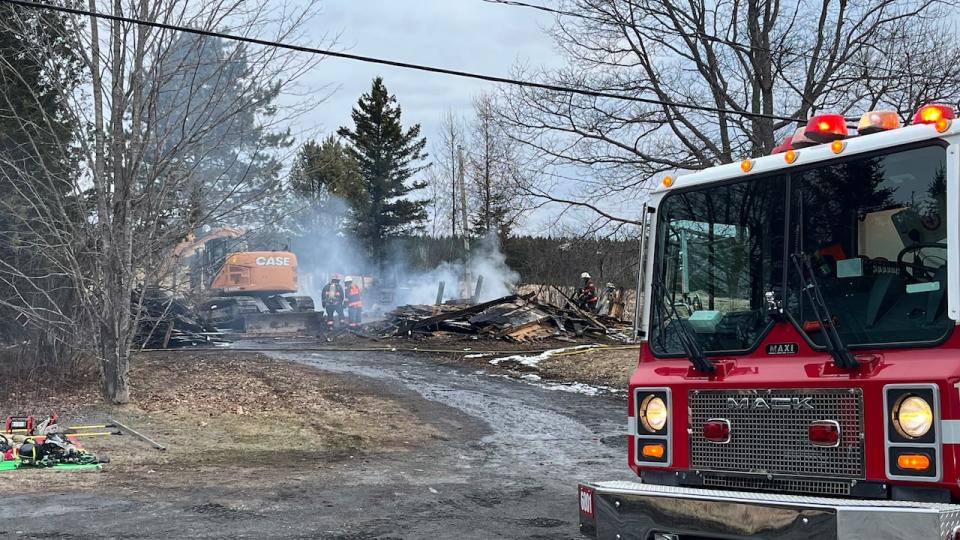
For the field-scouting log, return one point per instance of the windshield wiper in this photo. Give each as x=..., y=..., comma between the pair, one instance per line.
x=691, y=347
x=841, y=354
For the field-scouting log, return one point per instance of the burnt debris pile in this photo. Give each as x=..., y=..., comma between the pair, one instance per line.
x=515, y=318
x=167, y=322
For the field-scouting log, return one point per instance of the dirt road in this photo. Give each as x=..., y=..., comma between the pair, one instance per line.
x=503, y=464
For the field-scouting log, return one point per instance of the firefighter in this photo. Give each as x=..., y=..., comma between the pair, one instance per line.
x=354, y=303
x=586, y=297
x=332, y=300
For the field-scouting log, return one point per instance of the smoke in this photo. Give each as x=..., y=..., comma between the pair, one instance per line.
x=485, y=261
x=324, y=247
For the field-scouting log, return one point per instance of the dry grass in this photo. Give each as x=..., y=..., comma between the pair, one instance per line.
x=231, y=419
x=596, y=366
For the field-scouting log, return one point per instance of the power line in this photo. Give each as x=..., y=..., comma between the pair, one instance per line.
x=398, y=64
x=734, y=44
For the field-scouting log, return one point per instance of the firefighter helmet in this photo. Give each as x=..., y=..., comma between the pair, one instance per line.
x=585, y=275
x=335, y=277
x=348, y=279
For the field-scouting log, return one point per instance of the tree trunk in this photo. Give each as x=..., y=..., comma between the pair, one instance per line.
x=117, y=260
x=115, y=366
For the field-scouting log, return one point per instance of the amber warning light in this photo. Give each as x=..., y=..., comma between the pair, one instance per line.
x=916, y=462
x=875, y=121
x=655, y=451
x=937, y=114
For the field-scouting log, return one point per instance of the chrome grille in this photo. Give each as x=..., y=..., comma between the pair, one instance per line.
x=780, y=485
x=776, y=441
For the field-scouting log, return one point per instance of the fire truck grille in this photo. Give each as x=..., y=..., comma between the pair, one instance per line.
x=837, y=488
x=769, y=432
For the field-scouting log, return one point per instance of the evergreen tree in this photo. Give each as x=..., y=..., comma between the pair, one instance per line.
x=325, y=170
x=326, y=184
x=234, y=162
x=388, y=157
x=38, y=163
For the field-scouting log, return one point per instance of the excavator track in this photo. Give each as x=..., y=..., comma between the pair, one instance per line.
x=271, y=316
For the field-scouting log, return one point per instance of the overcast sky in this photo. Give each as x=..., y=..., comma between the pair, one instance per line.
x=468, y=35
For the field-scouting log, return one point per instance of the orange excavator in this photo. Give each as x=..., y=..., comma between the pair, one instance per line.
x=247, y=291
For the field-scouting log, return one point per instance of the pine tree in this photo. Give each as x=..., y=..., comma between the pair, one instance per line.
x=38, y=161
x=324, y=170
x=326, y=184
x=388, y=157
x=236, y=163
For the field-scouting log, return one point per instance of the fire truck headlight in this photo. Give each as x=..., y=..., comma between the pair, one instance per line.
x=913, y=416
x=653, y=413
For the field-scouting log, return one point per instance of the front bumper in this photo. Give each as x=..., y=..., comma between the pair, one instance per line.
x=629, y=510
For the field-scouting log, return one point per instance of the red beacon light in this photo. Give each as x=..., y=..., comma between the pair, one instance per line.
x=800, y=139
x=824, y=128
x=787, y=144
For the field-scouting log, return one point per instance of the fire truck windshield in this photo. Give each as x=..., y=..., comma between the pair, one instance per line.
x=874, y=228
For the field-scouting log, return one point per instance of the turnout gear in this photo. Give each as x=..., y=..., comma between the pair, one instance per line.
x=354, y=302
x=331, y=298
x=55, y=449
x=586, y=297
x=6, y=448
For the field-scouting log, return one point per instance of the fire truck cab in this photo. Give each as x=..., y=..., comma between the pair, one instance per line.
x=799, y=375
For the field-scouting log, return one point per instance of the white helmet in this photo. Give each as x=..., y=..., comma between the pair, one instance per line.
x=585, y=275
x=348, y=279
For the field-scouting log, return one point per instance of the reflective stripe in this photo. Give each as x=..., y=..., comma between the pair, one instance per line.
x=950, y=431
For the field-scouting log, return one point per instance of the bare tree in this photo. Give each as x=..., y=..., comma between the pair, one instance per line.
x=497, y=178
x=138, y=190
x=443, y=178
x=750, y=70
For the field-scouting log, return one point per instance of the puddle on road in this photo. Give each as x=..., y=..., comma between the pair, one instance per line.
x=541, y=424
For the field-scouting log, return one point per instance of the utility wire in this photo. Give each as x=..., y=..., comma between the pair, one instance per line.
x=734, y=44
x=398, y=64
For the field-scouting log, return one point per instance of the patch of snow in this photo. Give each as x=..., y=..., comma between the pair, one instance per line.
x=480, y=355
x=572, y=387
x=533, y=361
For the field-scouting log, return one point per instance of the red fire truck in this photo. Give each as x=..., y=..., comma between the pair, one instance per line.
x=800, y=369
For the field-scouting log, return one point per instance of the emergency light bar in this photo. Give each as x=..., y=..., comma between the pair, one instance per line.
x=832, y=127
